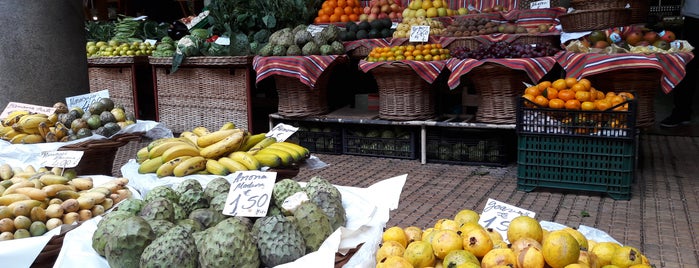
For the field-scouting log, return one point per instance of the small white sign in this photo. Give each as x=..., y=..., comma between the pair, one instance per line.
x=281, y=132
x=394, y=25
x=419, y=33
x=62, y=159
x=15, y=106
x=540, y=4
x=223, y=40
x=497, y=215
x=83, y=101
x=250, y=193
x=314, y=29
x=152, y=42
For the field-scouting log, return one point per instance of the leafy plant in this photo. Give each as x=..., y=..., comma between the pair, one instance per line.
x=99, y=30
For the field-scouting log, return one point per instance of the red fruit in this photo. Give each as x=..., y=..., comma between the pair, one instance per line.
x=650, y=37
x=667, y=36
x=395, y=7
x=633, y=38
x=367, y=10
x=375, y=10
x=385, y=9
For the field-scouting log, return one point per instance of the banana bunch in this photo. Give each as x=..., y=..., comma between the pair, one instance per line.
x=221, y=152
x=23, y=127
x=34, y=201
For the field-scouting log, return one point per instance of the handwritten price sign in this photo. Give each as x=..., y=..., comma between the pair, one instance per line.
x=14, y=106
x=250, y=193
x=281, y=132
x=498, y=215
x=540, y=4
x=63, y=159
x=83, y=101
x=419, y=33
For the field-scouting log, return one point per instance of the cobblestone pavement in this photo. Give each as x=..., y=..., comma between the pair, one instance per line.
x=661, y=219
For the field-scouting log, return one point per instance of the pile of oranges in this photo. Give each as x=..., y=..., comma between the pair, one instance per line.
x=573, y=94
x=338, y=11
x=420, y=52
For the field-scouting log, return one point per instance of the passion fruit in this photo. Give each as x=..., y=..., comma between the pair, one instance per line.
x=94, y=121
x=107, y=103
x=78, y=124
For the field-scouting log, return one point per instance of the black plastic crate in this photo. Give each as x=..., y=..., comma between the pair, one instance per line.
x=469, y=146
x=321, y=138
x=576, y=163
x=382, y=141
x=613, y=124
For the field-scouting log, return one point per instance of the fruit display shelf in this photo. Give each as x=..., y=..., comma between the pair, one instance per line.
x=128, y=79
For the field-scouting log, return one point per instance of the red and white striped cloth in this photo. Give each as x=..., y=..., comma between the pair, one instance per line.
x=306, y=68
x=477, y=4
x=580, y=65
x=535, y=68
x=427, y=70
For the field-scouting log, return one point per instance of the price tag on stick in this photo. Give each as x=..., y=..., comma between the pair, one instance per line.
x=83, y=101
x=250, y=193
x=281, y=132
x=62, y=159
x=419, y=33
x=497, y=215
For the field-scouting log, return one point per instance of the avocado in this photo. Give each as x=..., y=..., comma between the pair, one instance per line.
x=376, y=25
x=108, y=103
x=374, y=33
x=387, y=23
x=83, y=132
x=386, y=32
x=362, y=34
x=351, y=36
x=96, y=108
x=364, y=25
x=107, y=117
x=597, y=36
x=94, y=121
x=111, y=129
x=351, y=26
x=342, y=36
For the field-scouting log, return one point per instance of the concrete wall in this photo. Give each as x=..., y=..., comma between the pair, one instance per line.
x=42, y=51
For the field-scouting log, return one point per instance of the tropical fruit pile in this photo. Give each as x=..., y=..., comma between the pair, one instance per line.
x=219, y=152
x=338, y=11
x=405, y=27
x=298, y=41
x=34, y=201
x=184, y=227
x=463, y=242
x=573, y=94
x=420, y=52
x=102, y=118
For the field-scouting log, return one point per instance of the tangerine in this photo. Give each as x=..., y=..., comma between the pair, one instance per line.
x=550, y=93
x=534, y=91
x=556, y=104
x=587, y=106
x=578, y=87
x=572, y=104
x=341, y=3
x=334, y=18
x=541, y=101
x=559, y=84
x=582, y=96
x=603, y=105
x=626, y=95
x=544, y=85
x=570, y=81
x=600, y=95
x=609, y=95
x=348, y=10
x=566, y=94
x=530, y=98
x=586, y=83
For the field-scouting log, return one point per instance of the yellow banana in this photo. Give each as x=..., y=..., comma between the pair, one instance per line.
x=167, y=168
x=223, y=147
x=227, y=125
x=157, y=142
x=17, y=139
x=262, y=144
x=10, y=135
x=34, y=130
x=215, y=137
x=302, y=150
x=14, y=116
x=246, y=159
x=61, y=131
x=142, y=155
x=190, y=136
x=251, y=140
x=200, y=131
x=216, y=168
x=4, y=130
x=53, y=119
x=294, y=154
x=180, y=150
x=232, y=165
x=32, y=138
x=268, y=159
x=150, y=165
x=285, y=157
x=159, y=149
x=43, y=129
x=190, y=166
x=6, y=172
x=32, y=121
x=51, y=137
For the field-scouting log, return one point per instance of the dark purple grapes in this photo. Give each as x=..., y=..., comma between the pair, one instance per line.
x=502, y=50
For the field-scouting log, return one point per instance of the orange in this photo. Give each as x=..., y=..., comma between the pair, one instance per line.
x=578, y=87
x=550, y=93
x=331, y=3
x=572, y=105
x=534, y=91
x=544, y=85
x=566, y=94
x=609, y=95
x=428, y=57
x=570, y=81
x=341, y=3
x=325, y=18
x=417, y=52
x=587, y=106
x=600, y=95
x=334, y=18
x=327, y=10
x=585, y=82
x=582, y=96
x=559, y=84
x=626, y=95
x=338, y=11
x=321, y=12
x=617, y=99
x=354, y=17
x=556, y=104
x=603, y=105
x=419, y=58
x=541, y=101
x=530, y=98
x=436, y=57
x=348, y=10
x=344, y=18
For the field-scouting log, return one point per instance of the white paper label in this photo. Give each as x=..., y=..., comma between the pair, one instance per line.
x=250, y=193
x=83, y=101
x=497, y=215
x=540, y=4
x=151, y=41
x=419, y=33
x=223, y=40
x=63, y=159
x=394, y=25
x=314, y=29
x=14, y=106
x=281, y=132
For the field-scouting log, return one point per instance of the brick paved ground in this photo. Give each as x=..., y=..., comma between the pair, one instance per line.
x=661, y=219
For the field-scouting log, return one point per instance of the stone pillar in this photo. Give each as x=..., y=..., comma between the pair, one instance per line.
x=42, y=56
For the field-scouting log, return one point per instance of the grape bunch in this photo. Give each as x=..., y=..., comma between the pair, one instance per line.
x=501, y=50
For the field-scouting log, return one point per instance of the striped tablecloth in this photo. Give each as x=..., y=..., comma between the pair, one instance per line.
x=580, y=65
x=477, y=4
x=535, y=68
x=306, y=68
x=427, y=70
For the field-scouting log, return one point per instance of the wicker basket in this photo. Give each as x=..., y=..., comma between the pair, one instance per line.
x=589, y=20
x=205, y=91
x=468, y=42
x=360, y=52
x=553, y=40
x=48, y=255
x=595, y=5
x=403, y=95
x=296, y=99
x=125, y=78
x=498, y=88
x=645, y=82
x=98, y=156
x=639, y=11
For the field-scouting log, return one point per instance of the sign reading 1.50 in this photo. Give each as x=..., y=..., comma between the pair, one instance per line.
x=250, y=193
x=498, y=215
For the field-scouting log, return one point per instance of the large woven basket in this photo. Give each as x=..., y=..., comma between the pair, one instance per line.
x=468, y=42
x=205, y=91
x=359, y=53
x=599, y=19
x=98, y=156
x=645, y=82
x=553, y=39
x=125, y=78
x=403, y=95
x=595, y=4
x=498, y=88
x=296, y=99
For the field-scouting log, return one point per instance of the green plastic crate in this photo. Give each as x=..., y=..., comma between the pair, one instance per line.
x=469, y=146
x=381, y=141
x=576, y=163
